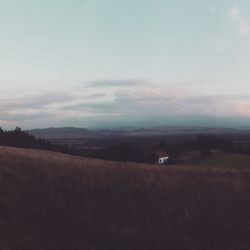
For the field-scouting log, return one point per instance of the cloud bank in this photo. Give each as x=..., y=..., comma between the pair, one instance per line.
x=136, y=104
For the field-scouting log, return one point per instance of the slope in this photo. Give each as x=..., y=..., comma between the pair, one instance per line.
x=54, y=201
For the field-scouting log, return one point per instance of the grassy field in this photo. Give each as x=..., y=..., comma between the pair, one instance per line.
x=55, y=201
x=219, y=159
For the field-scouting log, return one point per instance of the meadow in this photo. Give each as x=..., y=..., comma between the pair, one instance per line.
x=53, y=201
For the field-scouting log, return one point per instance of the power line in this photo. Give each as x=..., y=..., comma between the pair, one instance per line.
x=30, y=63
x=60, y=54
x=46, y=59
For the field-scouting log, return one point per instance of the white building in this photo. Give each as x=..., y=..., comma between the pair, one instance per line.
x=163, y=160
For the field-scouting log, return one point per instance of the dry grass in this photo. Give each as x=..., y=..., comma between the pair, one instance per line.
x=55, y=201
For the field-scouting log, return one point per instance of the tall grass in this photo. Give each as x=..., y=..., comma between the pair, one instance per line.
x=55, y=201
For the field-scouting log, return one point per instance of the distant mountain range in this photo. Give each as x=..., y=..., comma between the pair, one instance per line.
x=72, y=132
x=67, y=132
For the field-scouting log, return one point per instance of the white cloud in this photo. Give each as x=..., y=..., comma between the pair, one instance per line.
x=140, y=102
x=241, y=22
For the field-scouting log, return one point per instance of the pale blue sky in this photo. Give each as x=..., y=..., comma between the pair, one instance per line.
x=93, y=62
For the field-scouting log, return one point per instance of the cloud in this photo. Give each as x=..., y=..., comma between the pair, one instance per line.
x=97, y=95
x=26, y=106
x=33, y=100
x=45, y=99
x=25, y=115
x=47, y=108
x=151, y=102
x=241, y=22
x=116, y=83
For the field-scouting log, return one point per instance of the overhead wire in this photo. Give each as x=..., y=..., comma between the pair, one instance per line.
x=55, y=52
x=65, y=65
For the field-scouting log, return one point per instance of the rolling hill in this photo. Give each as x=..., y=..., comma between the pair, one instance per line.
x=55, y=201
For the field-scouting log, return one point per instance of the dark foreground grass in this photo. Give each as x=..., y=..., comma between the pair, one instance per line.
x=53, y=201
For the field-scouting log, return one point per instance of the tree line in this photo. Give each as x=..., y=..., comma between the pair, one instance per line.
x=22, y=139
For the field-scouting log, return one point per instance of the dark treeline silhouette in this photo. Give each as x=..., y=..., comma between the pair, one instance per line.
x=19, y=138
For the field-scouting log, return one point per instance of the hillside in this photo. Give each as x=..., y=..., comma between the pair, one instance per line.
x=54, y=201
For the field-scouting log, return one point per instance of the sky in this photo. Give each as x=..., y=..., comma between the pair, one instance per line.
x=104, y=63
